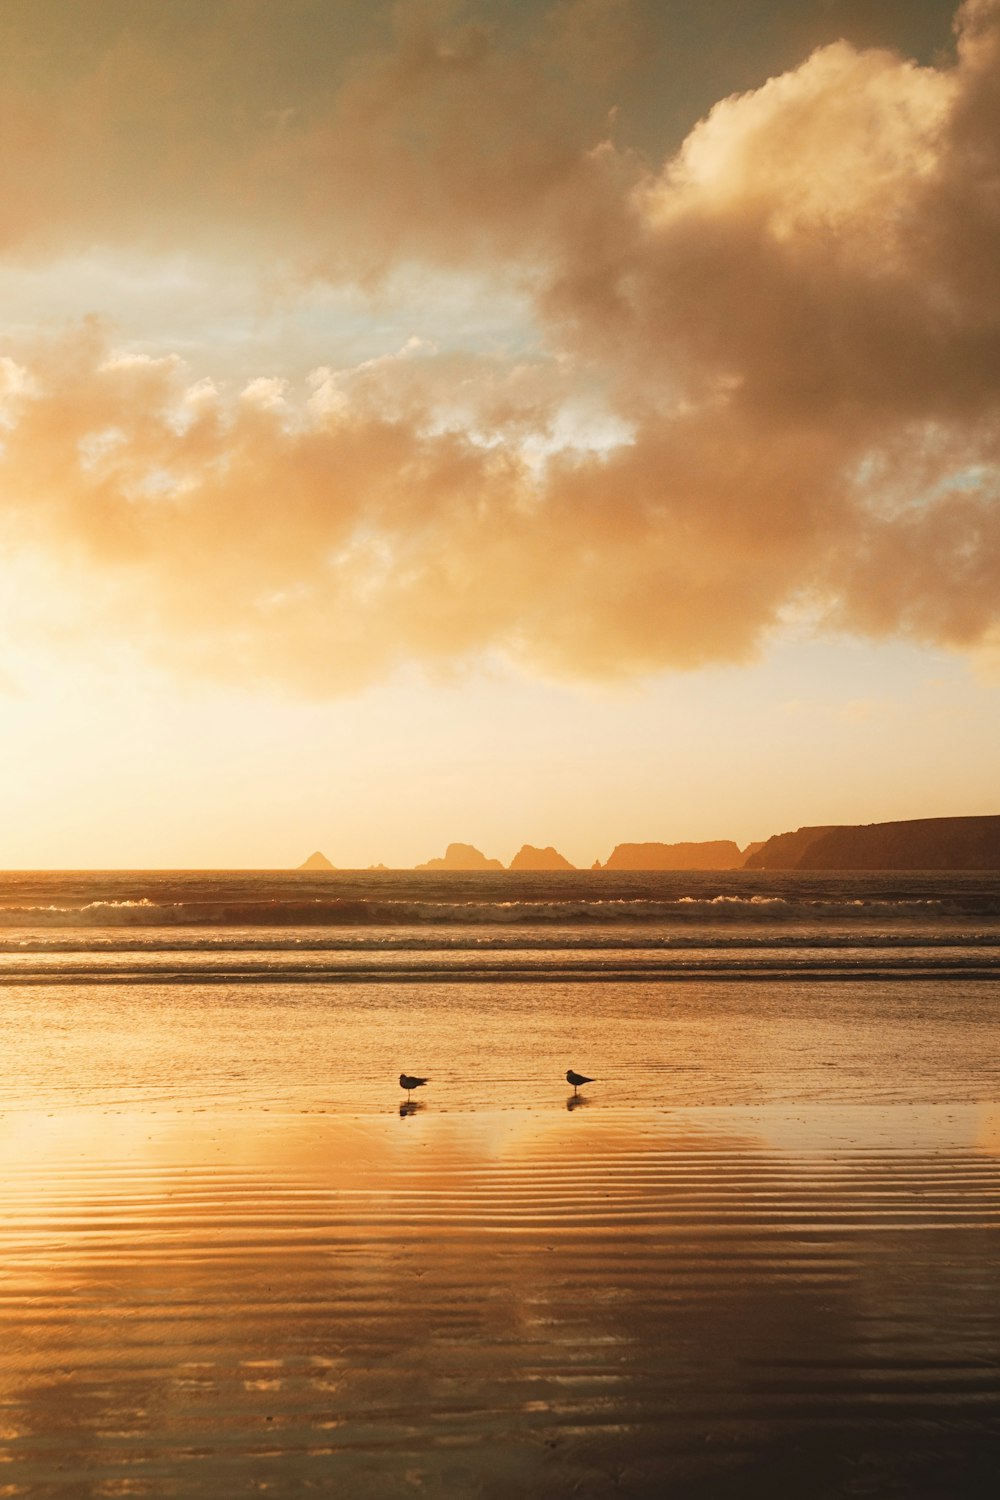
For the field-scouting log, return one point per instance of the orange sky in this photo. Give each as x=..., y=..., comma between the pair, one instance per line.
x=559, y=422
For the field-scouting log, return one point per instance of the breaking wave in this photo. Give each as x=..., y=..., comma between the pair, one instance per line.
x=338, y=912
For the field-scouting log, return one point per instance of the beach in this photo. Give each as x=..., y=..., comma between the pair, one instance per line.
x=499, y=666
x=715, y=1302
x=757, y=1256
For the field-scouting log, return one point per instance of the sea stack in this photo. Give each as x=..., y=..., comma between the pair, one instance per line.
x=530, y=858
x=461, y=857
x=316, y=861
x=713, y=854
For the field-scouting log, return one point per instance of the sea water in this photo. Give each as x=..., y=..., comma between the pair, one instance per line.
x=687, y=988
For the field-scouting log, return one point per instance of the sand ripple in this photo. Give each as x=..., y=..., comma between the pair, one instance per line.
x=716, y=1303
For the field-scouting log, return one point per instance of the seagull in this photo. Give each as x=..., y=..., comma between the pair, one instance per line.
x=408, y=1083
x=577, y=1079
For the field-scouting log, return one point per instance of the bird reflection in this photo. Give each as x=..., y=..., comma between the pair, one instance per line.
x=575, y=1101
x=409, y=1107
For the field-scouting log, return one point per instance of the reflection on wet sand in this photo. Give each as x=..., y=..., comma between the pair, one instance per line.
x=684, y=1045
x=714, y=1303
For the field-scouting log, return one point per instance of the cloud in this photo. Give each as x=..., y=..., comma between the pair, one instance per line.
x=790, y=332
x=326, y=542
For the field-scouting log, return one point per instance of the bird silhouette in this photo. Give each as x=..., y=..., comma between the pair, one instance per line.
x=576, y=1079
x=408, y=1083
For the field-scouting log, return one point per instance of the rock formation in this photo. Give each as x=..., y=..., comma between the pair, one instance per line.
x=316, y=861
x=717, y=854
x=971, y=843
x=530, y=858
x=784, y=850
x=461, y=857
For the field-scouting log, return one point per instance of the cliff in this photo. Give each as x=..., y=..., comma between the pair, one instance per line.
x=971, y=843
x=784, y=850
x=717, y=854
x=917, y=844
x=530, y=858
x=461, y=857
x=316, y=861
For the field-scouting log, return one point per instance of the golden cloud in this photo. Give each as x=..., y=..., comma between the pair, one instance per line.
x=791, y=329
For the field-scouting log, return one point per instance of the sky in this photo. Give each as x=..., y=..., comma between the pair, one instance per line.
x=551, y=421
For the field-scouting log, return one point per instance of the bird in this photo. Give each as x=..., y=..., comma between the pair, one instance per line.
x=408, y=1083
x=577, y=1079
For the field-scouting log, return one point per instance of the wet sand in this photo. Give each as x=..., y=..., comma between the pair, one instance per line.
x=340, y=1048
x=759, y=1260
x=706, y=1302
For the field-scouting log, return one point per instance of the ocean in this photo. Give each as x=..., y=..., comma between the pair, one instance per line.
x=756, y=1257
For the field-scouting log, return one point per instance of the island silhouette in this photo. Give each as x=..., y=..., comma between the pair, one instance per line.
x=969, y=843
x=461, y=857
x=962, y=843
x=316, y=861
